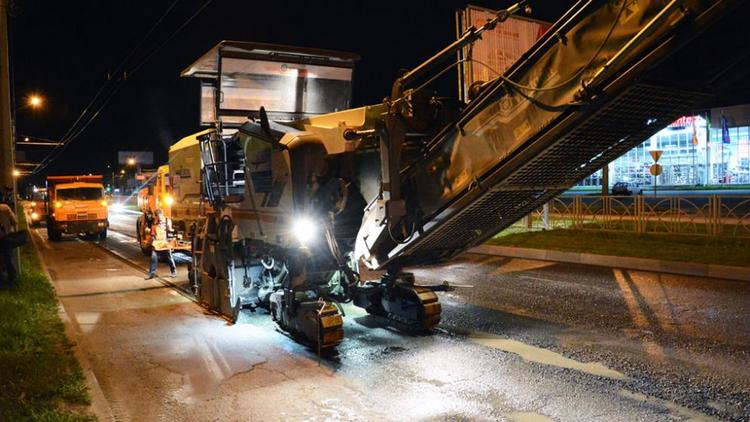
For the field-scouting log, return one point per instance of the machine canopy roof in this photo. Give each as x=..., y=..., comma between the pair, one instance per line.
x=207, y=65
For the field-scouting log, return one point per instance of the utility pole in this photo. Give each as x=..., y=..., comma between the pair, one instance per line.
x=7, y=130
x=7, y=161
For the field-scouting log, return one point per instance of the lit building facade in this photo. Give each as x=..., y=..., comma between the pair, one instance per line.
x=693, y=153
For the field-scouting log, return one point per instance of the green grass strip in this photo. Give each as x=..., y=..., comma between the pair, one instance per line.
x=682, y=248
x=40, y=378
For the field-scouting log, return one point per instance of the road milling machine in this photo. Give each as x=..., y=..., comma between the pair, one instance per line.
x=420, y=178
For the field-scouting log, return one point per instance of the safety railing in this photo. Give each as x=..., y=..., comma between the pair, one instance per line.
x=706, y=215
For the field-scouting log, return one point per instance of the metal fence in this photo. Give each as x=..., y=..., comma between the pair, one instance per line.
x=707, y=215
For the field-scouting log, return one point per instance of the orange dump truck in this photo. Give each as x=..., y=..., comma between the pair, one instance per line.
x=76, y=205
x=38, y=207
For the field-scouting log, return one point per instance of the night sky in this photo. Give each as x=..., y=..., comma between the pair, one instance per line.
x=64, y=50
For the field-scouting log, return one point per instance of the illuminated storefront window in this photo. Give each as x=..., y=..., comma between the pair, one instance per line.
x=684, y=161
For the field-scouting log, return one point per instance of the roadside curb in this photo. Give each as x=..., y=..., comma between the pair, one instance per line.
x=99, y=403
x=158, y=278
x=641, y=264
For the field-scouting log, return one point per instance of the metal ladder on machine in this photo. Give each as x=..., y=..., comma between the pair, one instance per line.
x=218, y=168
x=217, y=191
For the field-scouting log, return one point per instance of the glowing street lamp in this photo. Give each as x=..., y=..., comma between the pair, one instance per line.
x=35, y=101
x=122, y=171
x=131, y=161
x=16, y=173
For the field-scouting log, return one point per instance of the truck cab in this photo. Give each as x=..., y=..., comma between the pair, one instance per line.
x=76, y=205
x=38, y=207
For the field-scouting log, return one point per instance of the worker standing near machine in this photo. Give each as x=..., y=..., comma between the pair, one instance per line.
x=161, y=245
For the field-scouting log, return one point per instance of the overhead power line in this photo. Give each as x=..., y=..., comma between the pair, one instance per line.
x=190, y=19
x=114, y=85
x=109, y=82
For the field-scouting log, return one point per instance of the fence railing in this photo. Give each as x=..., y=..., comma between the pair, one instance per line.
x=707, y=215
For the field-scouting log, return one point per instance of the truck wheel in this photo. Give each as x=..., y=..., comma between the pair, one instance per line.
x=53, y=234
x=103, y=234
x=139, y=227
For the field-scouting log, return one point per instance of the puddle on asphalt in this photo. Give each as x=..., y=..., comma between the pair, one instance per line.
x=674, y=408
x=547, y=357
x=528, y=417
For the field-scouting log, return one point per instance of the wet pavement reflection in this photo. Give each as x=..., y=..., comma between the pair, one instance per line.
x=520, y=340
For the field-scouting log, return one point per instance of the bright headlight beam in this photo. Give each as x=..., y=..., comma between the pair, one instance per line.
x=304, y=229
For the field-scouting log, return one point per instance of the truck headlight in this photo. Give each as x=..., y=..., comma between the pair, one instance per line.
x=304, y=229
x=34, y=216
x=58, y=204
x=103, y=203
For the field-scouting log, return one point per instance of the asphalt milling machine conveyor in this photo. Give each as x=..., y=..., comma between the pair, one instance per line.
x=419, y=178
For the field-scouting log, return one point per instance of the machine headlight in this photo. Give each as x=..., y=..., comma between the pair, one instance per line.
x=33, y=204
x=169, y=200
x=34, y=216
x=304, y=229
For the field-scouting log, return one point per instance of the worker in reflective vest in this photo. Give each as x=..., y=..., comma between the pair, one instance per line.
x=159, y=243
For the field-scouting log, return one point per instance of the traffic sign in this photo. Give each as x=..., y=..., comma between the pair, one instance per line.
x=655, y=169
x=655, y=154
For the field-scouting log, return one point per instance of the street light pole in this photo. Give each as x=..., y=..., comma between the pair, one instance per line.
x=7, y=135
x=7, y=164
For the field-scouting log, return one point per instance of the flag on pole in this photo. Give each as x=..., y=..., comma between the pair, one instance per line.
x=695, y=133
x=724, y=130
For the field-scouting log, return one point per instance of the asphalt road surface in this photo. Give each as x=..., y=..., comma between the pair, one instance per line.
x=521, y=340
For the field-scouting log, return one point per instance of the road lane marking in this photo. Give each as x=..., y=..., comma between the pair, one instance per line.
x=546, y=357
x=674, y=408
x=547, y=280
x=519, y=265
x=637, y=313
x=528, y=417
